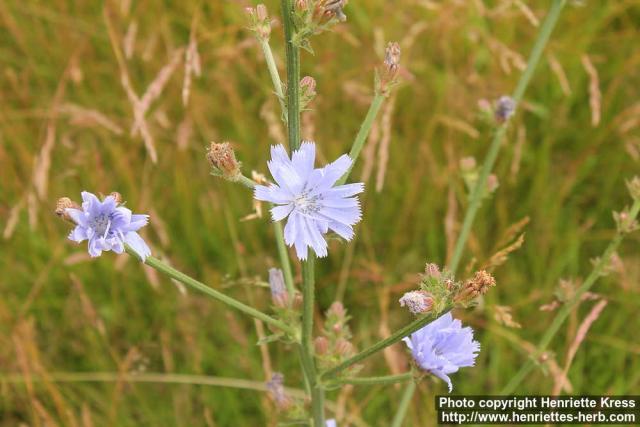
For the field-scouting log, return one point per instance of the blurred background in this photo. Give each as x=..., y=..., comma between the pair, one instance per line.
x=74, y=330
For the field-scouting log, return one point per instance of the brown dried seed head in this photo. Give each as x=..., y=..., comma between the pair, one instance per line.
x=62, y=205
x=223, y=158
x=478, y=285
x=116, y=196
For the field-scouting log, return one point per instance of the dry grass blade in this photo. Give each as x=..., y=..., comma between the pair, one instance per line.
x=81, y=116
x=595, y=97
x=129, y=42
x=192, y=64
x=385, y=142
x=12, y=221
x=531, y=17
x=501, y=256
x=503, y=315
x=557, y=69
x=581, y=334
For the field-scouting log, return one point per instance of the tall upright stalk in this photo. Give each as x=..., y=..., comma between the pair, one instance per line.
x=476, y=196
x=479, y=189
x=293, y=77
x=293, y=127
x=568, y=307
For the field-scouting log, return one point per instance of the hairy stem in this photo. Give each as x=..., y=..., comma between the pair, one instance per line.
x=189, y=281
x=392, y=339
x=363, y=133
x=273, y=72
x=308, y=363
x=293, y=77
x=568, y=307
x=404, y=405
x=479, y=189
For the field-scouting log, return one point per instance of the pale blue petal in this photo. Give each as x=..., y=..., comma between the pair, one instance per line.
x=303, y=159
x=78, y=234
x=280, y=212
x=136, y=243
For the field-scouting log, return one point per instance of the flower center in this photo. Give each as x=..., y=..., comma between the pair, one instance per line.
x=305, y=204
x=100, y=224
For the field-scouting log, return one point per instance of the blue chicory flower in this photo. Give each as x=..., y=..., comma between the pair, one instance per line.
x=443, y=346
x=107, y=226
x=310, y=199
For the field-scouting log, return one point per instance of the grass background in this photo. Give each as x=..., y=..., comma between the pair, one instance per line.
x=61, y=312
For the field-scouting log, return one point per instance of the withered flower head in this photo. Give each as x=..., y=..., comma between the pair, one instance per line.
x=418, y=302
x=275, y=388
x=62, y=205
x=505, y=108
x=475, y=287
x=223, y=158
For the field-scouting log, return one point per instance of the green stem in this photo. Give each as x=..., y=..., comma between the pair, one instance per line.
x=479, y=189
x=404, y=405
x=293, y=77
x=189, y=281
x=363, y=133
x=247, y=182
x=308, y=293
x=568, y=307
x=387, y=379
x=273, y=72
x=284, y=258
x=395, y=337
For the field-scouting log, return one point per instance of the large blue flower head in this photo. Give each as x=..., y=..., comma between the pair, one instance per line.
x=310, y=199
x=443, y=346
x=107, y=226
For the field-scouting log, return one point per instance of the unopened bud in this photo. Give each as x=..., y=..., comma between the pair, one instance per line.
x=321, y=345
x=432, y=270
x=505, y=108
x=259, y=21
x=418, y=302
x=337, y=309
x=261, y=12
x=467, y=164
x=301, y=5
x=279, y=294
x=343, y=347
x=634, y=188
x=223, y=158
x=492, y=183
x=624, y=222
x=308, y=86
x=62, y=205
x=333, y=9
